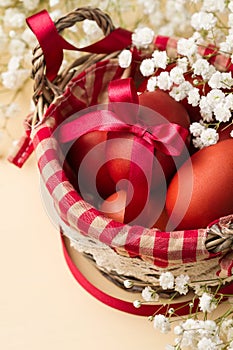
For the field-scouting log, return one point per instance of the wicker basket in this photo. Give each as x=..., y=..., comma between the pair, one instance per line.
x=125, y=252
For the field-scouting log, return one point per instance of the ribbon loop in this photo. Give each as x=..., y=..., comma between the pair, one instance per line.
x=53, y=44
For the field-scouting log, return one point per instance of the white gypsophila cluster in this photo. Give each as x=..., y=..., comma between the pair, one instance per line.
x=166, y=280
x=142, y=37
x=125, y=58
x=91, y=29
x=149, y=294
x=182, y=284
x=198, y=334
x=207, y=302
x=185, y=81
x=162, y=323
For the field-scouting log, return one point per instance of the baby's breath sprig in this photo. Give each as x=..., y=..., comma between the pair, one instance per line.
x=199, y=329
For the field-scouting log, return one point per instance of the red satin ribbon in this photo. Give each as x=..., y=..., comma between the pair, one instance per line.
x=53, y=44
x=125, y=117
x=166, y=137
x=105, y=120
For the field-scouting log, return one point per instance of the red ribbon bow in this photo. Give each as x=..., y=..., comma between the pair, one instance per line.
x=123, y=115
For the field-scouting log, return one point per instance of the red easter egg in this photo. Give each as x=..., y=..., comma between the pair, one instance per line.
x=201, y=191
x=157, y=211
x=160, y=102
x=161, y=222
x=114, y=206
x=87, y=158
x=118, y=152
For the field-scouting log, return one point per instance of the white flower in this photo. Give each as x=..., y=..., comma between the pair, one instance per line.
x=215, y=81
x=14, y=18
x=28, y=37
x=178, y=92
x=207, y=344
x=151, y=84
x=53, y=3
x=186, y=47
x=125, y=58
x=214, y=97
x=178, y=330
x=213, y=5
x=201, y=66
x=170, y=347
x=222, y=112
x=30, y=4
x=229, y=101
x=17, y=47
x=149, y=294
x=137, y=304
x=3, y=38
x=197, y=143
x=207, y=303
x=181, y=284
x=128, y=284
x=162, y=323
x=147, y=67
x=6, y=3
x=226, y=329
x=160, y=59
x=11, y=110
x=231, y=133
x=230, y=5
x=210, y=325
x=190, y=324
x=209, y=137
x=91, y=29
x=14, y=79
x=176, y=75
x=194, y=97
x=55, y=15
x=225, y=46
x=183, y=64
x=149, y=6
x=221, y=80
x=164, y=81
x=142, y=37
x=205, y=110
x=166, y=280
x=203, y=20
x=14, y=63
x=196, y=129
x=226, y=80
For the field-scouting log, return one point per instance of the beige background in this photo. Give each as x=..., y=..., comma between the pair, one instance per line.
x=41, y=304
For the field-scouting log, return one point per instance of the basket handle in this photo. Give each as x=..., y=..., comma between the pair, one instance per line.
x=48, y=55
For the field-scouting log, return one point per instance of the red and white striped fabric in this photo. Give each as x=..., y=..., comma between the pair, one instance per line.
x=160, y=248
